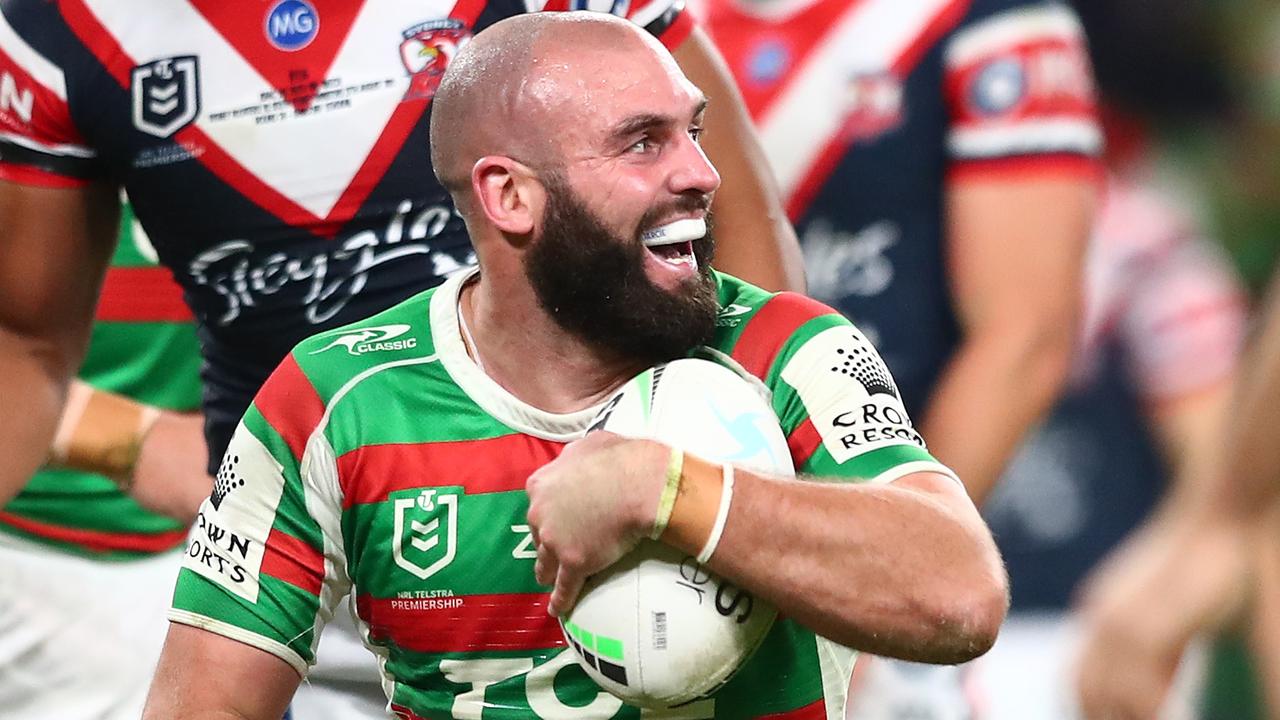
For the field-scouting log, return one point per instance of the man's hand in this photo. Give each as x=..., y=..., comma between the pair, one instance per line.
x=170, y=475
x=1174, y=579
x=590, y=506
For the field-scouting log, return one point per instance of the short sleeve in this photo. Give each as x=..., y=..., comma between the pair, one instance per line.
x=1184, y=322
x=39, y=144
x=264, y=563
x=1019, y=91
x=833, y=394
x=667, y=20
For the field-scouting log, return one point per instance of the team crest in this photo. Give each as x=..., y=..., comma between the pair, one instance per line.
x=426, y=51
x=166, y=95
x=426, y=532
x=873, y=105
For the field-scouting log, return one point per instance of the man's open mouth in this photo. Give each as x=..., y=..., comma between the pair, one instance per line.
x=672, y=243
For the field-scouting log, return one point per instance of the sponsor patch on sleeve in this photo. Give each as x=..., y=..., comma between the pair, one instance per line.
x=849, y=395
x=227, y=543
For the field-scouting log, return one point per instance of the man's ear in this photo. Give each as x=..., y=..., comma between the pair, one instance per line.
x=508, y=194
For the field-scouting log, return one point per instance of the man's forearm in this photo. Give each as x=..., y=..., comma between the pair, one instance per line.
x=33, y=387
x=995, y=388
x=896, y=569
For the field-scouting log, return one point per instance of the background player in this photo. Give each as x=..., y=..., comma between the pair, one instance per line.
x=938, y=158
x=1164, y=320
x=517, y=358
x=88, y=562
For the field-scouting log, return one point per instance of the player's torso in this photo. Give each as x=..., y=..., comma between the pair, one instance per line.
x=441, y=558
x=276, y=154
x=849, y=102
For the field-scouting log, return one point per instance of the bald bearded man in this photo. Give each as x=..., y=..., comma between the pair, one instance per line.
x=569, y=143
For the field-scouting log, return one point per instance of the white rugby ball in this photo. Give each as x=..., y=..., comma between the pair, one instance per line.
x=657, y=629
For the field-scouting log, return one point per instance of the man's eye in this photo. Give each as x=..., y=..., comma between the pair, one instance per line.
x=696, y=133
x=641, y=146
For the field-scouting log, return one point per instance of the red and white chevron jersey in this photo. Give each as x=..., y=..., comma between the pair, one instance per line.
x=276, y=152
x=380, y=460
x=867, y=108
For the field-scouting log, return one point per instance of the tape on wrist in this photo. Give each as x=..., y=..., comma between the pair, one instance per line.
x=667, y=501
x=102, y=432
x=722, y=515
x=698, y=507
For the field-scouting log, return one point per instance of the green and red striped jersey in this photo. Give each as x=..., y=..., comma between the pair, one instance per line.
x=380, y=460
x=143, y=345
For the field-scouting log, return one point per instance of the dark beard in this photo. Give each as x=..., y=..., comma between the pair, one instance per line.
x=593, y=283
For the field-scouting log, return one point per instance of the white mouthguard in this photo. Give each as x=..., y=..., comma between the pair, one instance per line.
x=675, y=232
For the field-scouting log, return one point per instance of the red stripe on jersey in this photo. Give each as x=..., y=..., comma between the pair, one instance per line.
x=941, y=24
x=1056, y=84
x=1021, y=167
x=766, y=332
x=740, y=37
x=679, y=30
x=296, y=74
x=290, y=404
x=370, y=474
x=803, y=442
x=31, y=109
x=289, y=559
x=24, y=175
x=403, y=713
x=97, y=540
x=463, y=623
x=98, y=39
x=837, y=146
x=141, y=294
x=816, y=710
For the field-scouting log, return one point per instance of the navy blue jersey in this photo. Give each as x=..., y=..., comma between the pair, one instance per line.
x=869, y=108
x=276, y=153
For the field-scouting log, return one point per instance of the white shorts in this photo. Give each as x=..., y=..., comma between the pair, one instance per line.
x=1030, y=674
x=79, y=638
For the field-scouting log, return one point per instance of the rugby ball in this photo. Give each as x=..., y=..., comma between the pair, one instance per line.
x=657, y=629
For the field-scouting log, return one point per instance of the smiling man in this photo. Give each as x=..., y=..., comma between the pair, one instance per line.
x=418, y=479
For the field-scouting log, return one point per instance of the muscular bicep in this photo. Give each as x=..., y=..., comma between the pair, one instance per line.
x=54, y=247
x=1015, y=248
x=206, y=675
x=755, y=240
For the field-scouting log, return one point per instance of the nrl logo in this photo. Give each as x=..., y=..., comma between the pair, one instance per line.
x=374, y=339
x=166, y=96
x=420, y=525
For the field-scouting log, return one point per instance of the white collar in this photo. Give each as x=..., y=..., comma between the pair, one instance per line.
x=489, y=395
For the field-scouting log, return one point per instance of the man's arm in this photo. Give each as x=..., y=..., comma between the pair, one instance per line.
x=906, y=569
x=205, y=676
x=754, y=239
x=157, y=456
x=54, y=249
x=1015, y=248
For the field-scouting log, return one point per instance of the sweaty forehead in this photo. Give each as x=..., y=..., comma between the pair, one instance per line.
x=588, y=90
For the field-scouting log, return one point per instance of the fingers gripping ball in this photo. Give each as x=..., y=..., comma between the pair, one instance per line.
x=658, y=629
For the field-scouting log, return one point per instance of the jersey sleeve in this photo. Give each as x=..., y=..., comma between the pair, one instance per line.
x=667, y=20
x=1184, y=321
x=1019, y=91
x=39, y=143
x=833, y=395
x=264, y=563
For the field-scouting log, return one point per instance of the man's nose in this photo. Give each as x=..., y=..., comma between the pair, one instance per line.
x=693, y=170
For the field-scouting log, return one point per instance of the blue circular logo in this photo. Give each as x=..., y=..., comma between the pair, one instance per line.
x=292, y=24
x=768, y=62
x=999, y=87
